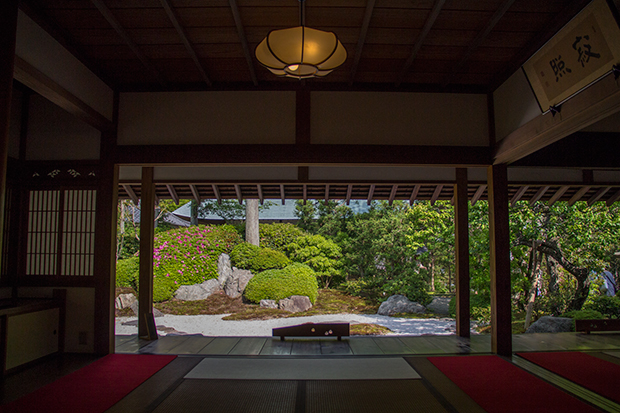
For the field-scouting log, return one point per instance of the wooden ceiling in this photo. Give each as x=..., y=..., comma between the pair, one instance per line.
x=409, y=45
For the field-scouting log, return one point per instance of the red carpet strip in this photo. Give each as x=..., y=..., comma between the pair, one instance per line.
x=592, y=373
x=94, y=388
x=499, y=386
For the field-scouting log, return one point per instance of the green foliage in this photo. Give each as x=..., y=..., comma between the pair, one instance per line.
x=320, y=254
x=294, y=279
x=583, y=315
x=127, y=272
x=410, y=285
x=243, y=255
x=479, y=307
x=279, y=236
x=305, y=212
x=609, y=307
x=231, y=211
x=256, y=259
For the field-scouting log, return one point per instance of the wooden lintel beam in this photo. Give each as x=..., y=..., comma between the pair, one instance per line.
x=36, y=80
x=580, y=193
x=282, y=194
x=238, y=192
x=478, y=194
x=195, y=193
x=305, y=194
x=436, y=194
x=116, y=25
x=598, y=195
x=371, y=193
x=243, y=39
x=539, y=194
x=349, y=191
x=132, y=194
x=517, y=196
x=188, y=46
x=430, y=21
x=173, y=193
x=558, y=194
x=414, y=194
x=361, y=40
x=326, y=194
x=261, y=199
x=216, y=192
x=615, y=197
x=392, y=194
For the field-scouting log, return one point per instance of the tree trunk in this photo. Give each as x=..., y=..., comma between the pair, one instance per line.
x=193, y=220
x=251, y=221
x=535, y=282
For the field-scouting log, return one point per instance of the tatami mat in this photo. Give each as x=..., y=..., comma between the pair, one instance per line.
x=303, y=369
x=613, y=353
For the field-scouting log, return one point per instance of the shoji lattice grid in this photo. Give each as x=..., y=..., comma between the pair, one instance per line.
x=42, y=247
x=78, y=233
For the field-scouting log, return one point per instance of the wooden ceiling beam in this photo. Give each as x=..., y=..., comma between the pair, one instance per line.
x=282, y=194
x=259, y=189
x=216, y=192
x=173, y=193
x=195, y=193
x=580, y=193
x=558, y=194
x=475, y=44
x=598, y=195
x=414, y=194
x=539, y=194
x=371, y=193
x=361, y=40
x=243, y=39
x=116, y=25
x=517, y=196
x=188, y=46
x=478, y=194
x=239, y=194
x=615, y=197
x=430, y=21
x=132, y=194
x=349, y=192
x=436, y=194
x=392, y=194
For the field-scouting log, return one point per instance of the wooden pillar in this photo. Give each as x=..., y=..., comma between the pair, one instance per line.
x=461, y=236
x=146, y=325
x=499, y=245
x=8, y=29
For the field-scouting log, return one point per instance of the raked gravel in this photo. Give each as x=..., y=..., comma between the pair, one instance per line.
x=213, y=325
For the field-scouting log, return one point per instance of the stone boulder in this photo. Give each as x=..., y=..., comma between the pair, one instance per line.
x=295, y=303
x=236, y=283
x=547, y=324
x=268, y=304
x=197, y=291
x=156, y=312
x=400, y=304
x=224, y=270
x=124, y=301
x=440, y=305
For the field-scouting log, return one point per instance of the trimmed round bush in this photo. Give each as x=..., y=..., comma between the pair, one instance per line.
x=320, y=254
x=243, y=255
x=127, y=272
x=256, y=259
x=279, y=236
x=294, y=279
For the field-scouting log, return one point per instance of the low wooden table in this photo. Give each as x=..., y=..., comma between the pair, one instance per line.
x=313, y=330
x=597, y=325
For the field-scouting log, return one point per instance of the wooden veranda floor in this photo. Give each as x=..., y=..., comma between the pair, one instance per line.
x=377, y=346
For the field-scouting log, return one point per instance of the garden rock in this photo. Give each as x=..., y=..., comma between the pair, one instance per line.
x=400, y=304
x=197, y=291
x=268, y=304
x=236, y=283
x=440, y=305
x=156, y=312
x=547, y=324
x=224, y=270
x=124, y=301
x=295, y=303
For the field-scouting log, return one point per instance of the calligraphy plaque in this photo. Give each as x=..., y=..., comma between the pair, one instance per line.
x=582, y=52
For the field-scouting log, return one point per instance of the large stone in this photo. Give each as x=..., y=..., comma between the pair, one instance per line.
x=224, y=270
x=295, y=303
x=548, y=324
x=156, y=312
x=197, y=291
x=124, y=301
x=400, y=304
x=440, y=305
x=268, y=304
x=236, y=283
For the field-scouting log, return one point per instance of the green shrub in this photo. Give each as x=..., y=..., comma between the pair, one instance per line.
x=256, y=259
x=243, y=255
x=320, y=254
x=127, y=272
x=583, y=315
x=294, y=279
x=411, y=285
x=279, y=236
x=479, y=308
x=608, y=306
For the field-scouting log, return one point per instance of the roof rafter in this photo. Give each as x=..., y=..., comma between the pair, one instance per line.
x=173, y=193
x=539, y=194
x=558, y=194
x=259, y=189
x=349, y=191
x=598, y=195
x=517, y=196
x=478, y=194
x=371, y=193
x=436, y=194
x=195, y=193
x=244, y=41
x=239, y=194
x=392, y=194
x=216, y=191
x=370, y=5
x=615, y=197
x=282, y=194
x=131, y=193
x=414, y=194
x=580, y=193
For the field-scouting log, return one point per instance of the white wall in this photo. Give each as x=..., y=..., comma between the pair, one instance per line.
x=31, y=336
x=515, y=105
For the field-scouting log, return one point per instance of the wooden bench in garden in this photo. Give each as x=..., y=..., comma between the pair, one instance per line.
x=597, y=325
x=313, y=330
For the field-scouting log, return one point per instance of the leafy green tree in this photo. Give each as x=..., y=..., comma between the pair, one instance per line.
x=320, y=254
x=306, y=214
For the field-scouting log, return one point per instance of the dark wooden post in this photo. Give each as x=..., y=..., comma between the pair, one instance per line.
x=461, y=229
x=499, y=244
x=8, y=30
x=147, y=231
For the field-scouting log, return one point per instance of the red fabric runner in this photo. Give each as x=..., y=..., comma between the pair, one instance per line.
x=94, y=388
x=499, y=386
x=599, y=376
